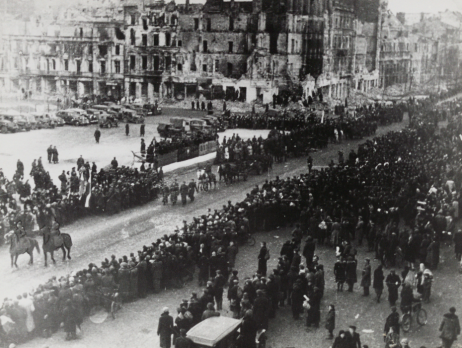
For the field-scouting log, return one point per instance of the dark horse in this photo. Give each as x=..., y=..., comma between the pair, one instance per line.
x=52, y=242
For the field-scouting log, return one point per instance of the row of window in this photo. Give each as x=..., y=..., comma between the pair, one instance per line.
x=156, y=63
x=155, y=20
x=51, y=65
x=343, y=22
x=174, y=21
x=394, y=47
x=341, y=42
x=155, y=40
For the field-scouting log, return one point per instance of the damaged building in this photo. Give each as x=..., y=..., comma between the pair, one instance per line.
x=350, y=47
x=152, y=50
x=242, y=50
x=79, y=56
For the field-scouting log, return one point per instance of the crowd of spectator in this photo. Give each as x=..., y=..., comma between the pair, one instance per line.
x=413, y=174
x=83, y=191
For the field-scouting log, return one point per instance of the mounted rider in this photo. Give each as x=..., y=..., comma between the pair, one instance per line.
x=19, y=231
x=55, y=234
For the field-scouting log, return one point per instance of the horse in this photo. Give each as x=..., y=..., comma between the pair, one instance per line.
x=24, y=245
x=51, y=243
x=206, y=180
x=230, y=172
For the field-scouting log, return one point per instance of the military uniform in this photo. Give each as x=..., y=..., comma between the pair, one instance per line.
x=174, y=190
x=192, y=188
x=165, y=194
x=184, y=193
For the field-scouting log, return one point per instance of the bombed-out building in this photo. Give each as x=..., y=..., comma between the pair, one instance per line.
x=152, y=50
x=350, y=47
x=75, y=57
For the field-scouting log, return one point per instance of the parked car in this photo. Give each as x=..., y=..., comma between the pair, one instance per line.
x=103, y=108
x=34, y=123
x=81, y=120
x=44, y=121
x=59, y=122
x=6, y=126
x=18, y=119
x=131, y=116
x=116, y=110
x=66, y=115
x=74, y=117
x=93, y=115
x=107, y=121
x=137, y=107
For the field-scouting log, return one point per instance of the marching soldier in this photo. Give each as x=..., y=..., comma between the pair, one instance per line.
x=184, y=192
x=174, y=190
x=165, y=194
x=192, y=188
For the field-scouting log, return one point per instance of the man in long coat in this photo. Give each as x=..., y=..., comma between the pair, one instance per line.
x=450, y=328
x=378, y=282
x=165, y=329
x=184, y=192
x=261, y=309
x=351, y=277
x=393, y=284
x=366, y=277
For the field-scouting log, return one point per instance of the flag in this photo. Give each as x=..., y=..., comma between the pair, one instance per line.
x=87, y=202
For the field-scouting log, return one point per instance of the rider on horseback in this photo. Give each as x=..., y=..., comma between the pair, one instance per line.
x=53, y=233
x=19, y=231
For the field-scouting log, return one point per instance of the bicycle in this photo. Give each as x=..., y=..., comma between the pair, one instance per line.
x=418, y=312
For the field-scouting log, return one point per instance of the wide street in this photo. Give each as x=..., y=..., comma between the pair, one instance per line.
x=135, y=326
x=72, y=142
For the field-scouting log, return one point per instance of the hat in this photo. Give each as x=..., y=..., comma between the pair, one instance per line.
x=352, y=327
x=404, y=341
x=165, y=310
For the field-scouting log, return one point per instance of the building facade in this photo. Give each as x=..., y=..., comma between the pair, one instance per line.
x=242, y=50
x=75, y=58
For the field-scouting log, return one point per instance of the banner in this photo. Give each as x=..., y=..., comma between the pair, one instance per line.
x=87, y=202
